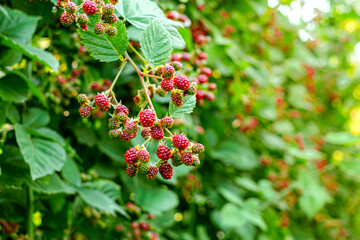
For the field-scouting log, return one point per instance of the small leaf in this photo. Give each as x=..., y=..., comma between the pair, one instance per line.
x=13, y=88
x=70, y=172
x=50, y=185
x=36, y=117
x=186, y=108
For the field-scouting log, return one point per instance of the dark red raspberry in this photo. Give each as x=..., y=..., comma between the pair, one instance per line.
x=167, y=122
x=180, y=141
x=67, y=18
x=172, y=15
x=157, y=133
x=102, y=102
x=111, y=31
x=167, y=85
x=186, y=57
x=144, y=167
x=111, y=19
x=144, y=226
x=115, y=133
x=131, y=155
x=71, y=7
x=95, y=86
x=168, y=71
x=176, y=65
x=202, y=78
x=106, y=84
x=177, y=99
x=207, y=71
x=89, y=7
x=125, y=136
x=146, y=133
x=75, y=72
x=83, y=19
x=131, y=170
x=176, y=57
x=131, y=127
x=196, y=161
x=85, y=111
x=100, y=28
x=210, y=96
x=108, y=9
x=198, y=148
x=82, y=98
x=161, y=92
x=176, y=159
x=181, y=82
x=143, y=155
x=187, y=158
x=166, y=170
x=163, y=152
x=202, y=55
x=122, y=108
x=200, y=94
x=147, y=118
x=212, y=86
x=192, y=89
x=151, y=174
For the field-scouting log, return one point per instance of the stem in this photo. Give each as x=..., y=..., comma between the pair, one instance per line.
x=152, y=76
x=30, y=205
x=138, y=54
x=169, y=132
x=117, y=76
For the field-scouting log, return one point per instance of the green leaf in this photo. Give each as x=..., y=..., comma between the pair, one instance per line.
x=155, y=43
x=13, y=88
x=102, y=47
x=36, y=117
x=50, y=185
x=4, y=106
x=49, y=134
x=70, y=172
x=187, y=107
x=272, y=141
x=111, y=189
x=340, y=138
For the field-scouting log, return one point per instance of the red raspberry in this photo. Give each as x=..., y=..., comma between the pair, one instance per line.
x=61, y=80
x=207, y=71
x=167, y=122
x=106, y=84
x=210, y=96
x=82, y=98
x=181, y=82
x=102, y=102
x=176, y=65
x=157, y=133
x=166, y=170
x=95, y=86
x=85, y=111
x=202, y=78
x=198, y=148
x=131, y=170
x=67, y=19
x=111, y=31
x=172, y=15
x=108, y=9
x=111, y=19
x=176, y=57
x=71, y=7
x=167, y=84
x=163, y=152
x=177, y=99
x=147, y=118
x=122, y=108
x=100, y=28
x=134, y=225
x=146, y=133
x=61, y=3
x=186, y=57
x=143, y=155
x=168, y=71
x=151, y=174
x=131, y=127
x=202, y=55
x=144, y=226
x=187, y=158
x=75, y=72
x=126, y=137
x=131, y=155
x=212, y=86
x=180, y=141
x=89, y=7
x=200, y=94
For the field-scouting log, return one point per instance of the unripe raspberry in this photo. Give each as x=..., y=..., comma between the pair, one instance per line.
x=108, y=9
x=166, y=170
x=187, y=158
x=99, y=28
x=202, y=56
x=180, y=141
x=131, y=170
x=157, y=133
x=176, y=159
x=82, y=98
x=131, y=127
x=159, y=71
x=161, y=92
x=102, y=102
x=115, y=133
x=177, y=99
x=89, y=7
x=167, y=84
x=111, y=31
x=114, y=123
x=113, y=2
x=144, y=167
x=151, y=174
x=210, y=96
x=110, y=19
x=85, y=111
x=167, y=122
x=176, y=65
x=163, y=152
x=207, y=71
x=144, y=226
x=143, y=155
x=168, y=71
x=192, y=89
x=122, y=108
x=146, y=133
x=202, y=78
x=131, y=155
x=71, y=7
x=197, y=148
x=67, y=18
x=181, y=82
x=212, y=86
x=196, y=161
x=147, y=118
x=61, y=3
x=186, y=57
x=83, y=19
x=176, y=57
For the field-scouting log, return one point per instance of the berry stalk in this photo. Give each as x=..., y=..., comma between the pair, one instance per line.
x=117, y=76
x=137, y=53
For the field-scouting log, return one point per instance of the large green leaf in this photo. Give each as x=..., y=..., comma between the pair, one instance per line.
x=51, y=184
x=13, y=88
x=70, y=172
x=155, y=43
x=35, y=117
x=111, y=189
x=187, y=107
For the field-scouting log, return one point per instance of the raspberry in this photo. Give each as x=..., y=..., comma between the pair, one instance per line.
x=95, y=86
x=111, y=31
x=159, y=71
x=212, y=86
x=200, y=94
x=207, y=71
x=111, y=19
x=167, y=122
x=143, y=155
x=147, y=118
x=176, y=65
x=180, y=141
x=99, y=28
x=163, y=152
x=113, y=2
x=85, y=111
x=187, y=158
x=157, y=133
x=202, y=55
x=176, y=57
x=203, y=78
x=146, y=133
x=161, y=92
x=114, y=123
x=71, y=7
x=89, y=7
x=167, y=85
x=166, y=170
x=198, y=148
x=67, y=19
x=131, y=170
x=83, y=19
x=176, y=159
x=210, y=96
x=131, y=127
x=108, y=9
x=115, y=133
x=181, y=82
x=151, y=174
x=168, y=71
x=61, y=3
x=144, y=226
x=144, y=167
x=61, y=80
x=186, y=57
x=172, y=15
x=102, y=102
x=122, y=108
x=82, y=98
x=192, y=89
x=125, y=136
x=196, y=161
x=177, y=99
x=131, y=155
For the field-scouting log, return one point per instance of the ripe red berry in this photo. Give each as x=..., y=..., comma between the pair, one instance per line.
x=180, y=141
x=177, y=99
x=144, y=226
x=207, y=71
x=198, y=148
x=85, y=111
x=95, y=86
x=200, y=94
x=131, y=170
x=212, y=86
x=102, y=102
x=143, y=155
x=147, y=118
x=210, y=96
x=67, y=18
x=167, y=122
x=202, y=55
x=89, y=7
x=146, y=133
x=176, y=159
x=166, y=170
x=202, y=78
x=100, y=28
x=176, y=57
x=71, y=7
x=151, y=174
x=167, y=84
x=172, y=15
x=181, y=82
x=122, y=108
x=108, y=9
x=187, y=158
x=186, y=57
x=168, y=71
x=163, y=152
x=131, y=155
x=157, y=133
x=126, y=137
x=131, y=127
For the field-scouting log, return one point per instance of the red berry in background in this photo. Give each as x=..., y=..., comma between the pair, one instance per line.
x=75, y=72
x=200, y=94
x=144, y=226
x=102, y=102
x=134, y=225
x=95, y=86
x=147, y=118
x=181, y=82
x=122, y=109
x=207, y=71
x=166, y=170
x=183, y=18
x=167, y=122
x=157, y=133
x=212, y=86
x=131, y=170
x=168, y=71
x=131, y=155
x=186, y=158
x=151, y=174
x=176, y=57
x=89, y=7
x=201, y=7
x=177, y=99
x=150, y=216
x=167, y=85
x=61, y=80
x=186, y=57
x=210, y=96
x=106, y=84
x=146, y=133
x=180, y=141
x=100, y=28
x=67, y=18
x=143, y=155
x=202, y=78
x=172, y=15
x=202, y=56
x=72, y=79
x=163, y=152
x=85, y=111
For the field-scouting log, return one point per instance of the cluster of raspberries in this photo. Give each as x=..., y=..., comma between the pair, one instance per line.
x=80, y=14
